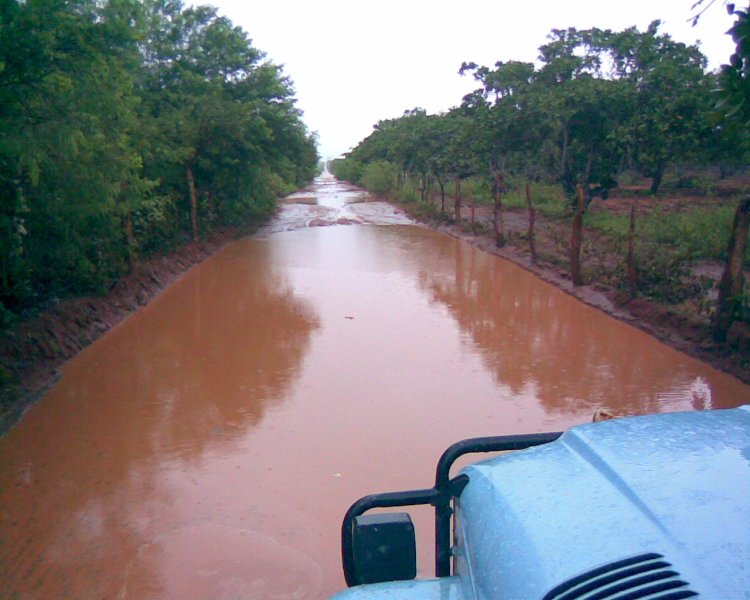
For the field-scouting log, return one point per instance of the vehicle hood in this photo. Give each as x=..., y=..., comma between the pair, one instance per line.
x=677, y=485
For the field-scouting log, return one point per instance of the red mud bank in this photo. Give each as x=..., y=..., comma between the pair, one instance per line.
x=683, y=330
x=32, y=352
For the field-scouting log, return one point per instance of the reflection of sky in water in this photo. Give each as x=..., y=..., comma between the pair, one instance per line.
x=695, y=394
x=276, y=383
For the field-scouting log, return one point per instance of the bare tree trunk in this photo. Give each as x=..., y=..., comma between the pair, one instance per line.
x=630, y=262
x=193, y=201
x=733, y=280
x=497, y=212
x=470, y=197
x=576, y=239
x=457, y=200
x=656, y=177
x=532, y=219
x=442, y=196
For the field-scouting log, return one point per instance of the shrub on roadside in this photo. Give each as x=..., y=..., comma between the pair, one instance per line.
x=408, y=195
x=347, y=169
x=664, y=276
x=379, y=177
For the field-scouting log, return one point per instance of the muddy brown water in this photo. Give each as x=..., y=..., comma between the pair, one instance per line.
x=209, y=446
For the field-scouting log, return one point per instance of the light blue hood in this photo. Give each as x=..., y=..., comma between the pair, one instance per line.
x=677, y=485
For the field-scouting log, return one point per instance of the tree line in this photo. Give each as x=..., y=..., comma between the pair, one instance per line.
x=596, y=104
x=127, y=127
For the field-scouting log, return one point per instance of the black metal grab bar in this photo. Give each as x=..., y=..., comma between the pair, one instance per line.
x=440, y=496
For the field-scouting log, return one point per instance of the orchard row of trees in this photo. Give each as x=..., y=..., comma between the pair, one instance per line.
x=128, y=126
x=597, y=103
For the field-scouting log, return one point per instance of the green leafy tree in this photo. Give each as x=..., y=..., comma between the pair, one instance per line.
x=671, y=98
x=734, y=79
x=65, y=153
x=586, y=108
x=115, y=117
x=734, y=94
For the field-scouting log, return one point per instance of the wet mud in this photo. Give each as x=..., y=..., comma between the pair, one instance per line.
x=685, y=327
x=208, y=446
x=33, y=351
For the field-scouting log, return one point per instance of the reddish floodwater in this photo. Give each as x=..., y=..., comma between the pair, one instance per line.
x=209, y=446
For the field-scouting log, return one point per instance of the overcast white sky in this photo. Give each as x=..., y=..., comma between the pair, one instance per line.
x=356, y=62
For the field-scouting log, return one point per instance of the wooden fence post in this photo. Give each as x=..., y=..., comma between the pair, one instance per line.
x=576, y=239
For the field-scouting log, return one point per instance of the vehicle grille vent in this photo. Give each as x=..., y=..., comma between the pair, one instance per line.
x=647, y=576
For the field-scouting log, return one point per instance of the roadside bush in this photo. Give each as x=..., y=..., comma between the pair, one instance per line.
x=347, y=169
x=379, y=177
x=157, y=223
x=408, y=195
x=427, y=210
x=663, y=276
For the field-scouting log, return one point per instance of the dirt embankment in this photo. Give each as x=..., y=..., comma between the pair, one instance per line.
x=685, y=327
x=32, y=352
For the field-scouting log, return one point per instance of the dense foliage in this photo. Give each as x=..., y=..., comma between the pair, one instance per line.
x=127, y=126
x=596, y=104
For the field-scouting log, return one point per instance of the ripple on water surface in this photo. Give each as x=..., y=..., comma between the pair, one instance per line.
x=209, y=446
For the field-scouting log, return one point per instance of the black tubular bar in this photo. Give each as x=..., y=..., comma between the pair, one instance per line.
x=443, y=510
x=440, y=496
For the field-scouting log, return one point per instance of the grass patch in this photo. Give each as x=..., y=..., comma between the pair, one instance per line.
x=666, y=244
x=700, y=233
x=546, y=198
x=615, y=226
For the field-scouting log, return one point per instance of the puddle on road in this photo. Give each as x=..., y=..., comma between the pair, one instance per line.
x=209, y=446
x=332, y=202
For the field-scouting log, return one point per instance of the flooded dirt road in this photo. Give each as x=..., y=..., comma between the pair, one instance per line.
x=209, y=446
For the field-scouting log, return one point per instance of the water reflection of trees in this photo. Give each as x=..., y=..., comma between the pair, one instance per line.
x=82, y=476
x=532, y=336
